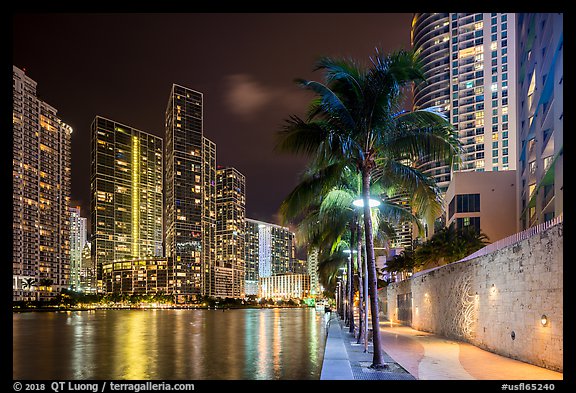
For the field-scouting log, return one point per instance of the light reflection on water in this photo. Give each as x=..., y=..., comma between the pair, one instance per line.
x=169, y=344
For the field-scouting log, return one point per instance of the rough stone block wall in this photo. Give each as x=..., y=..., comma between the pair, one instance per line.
x=495, y=301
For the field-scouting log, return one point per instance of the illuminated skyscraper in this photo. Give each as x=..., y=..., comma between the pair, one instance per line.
x=312, y=268
x=275, y=248
x=126, y=193
x=541, y=118
x=229, y=270
x=470, y=64
x=251, y=256
x=190, y=193
x=77, y=243
x=40, y=194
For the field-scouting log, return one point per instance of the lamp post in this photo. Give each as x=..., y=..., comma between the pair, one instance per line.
x=371, y=203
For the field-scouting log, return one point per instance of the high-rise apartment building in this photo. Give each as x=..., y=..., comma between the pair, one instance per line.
x=77, y=243
x=126, y=193
x=229, y=270
x=41, y=194
x=540, y=104
x=469, y=63
x=190, y=185
x=275, y=248
x=312, y=268
x=251, y=256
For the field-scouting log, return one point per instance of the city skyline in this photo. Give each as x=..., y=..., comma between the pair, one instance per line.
x=259, y=66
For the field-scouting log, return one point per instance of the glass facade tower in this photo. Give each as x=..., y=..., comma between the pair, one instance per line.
x=190, y=183
x=230, y=222
x=126, y=193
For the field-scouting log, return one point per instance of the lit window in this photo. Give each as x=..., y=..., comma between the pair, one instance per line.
x=494, y=87
x=494, y=46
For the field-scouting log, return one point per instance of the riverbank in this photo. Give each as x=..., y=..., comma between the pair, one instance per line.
x=159, y=307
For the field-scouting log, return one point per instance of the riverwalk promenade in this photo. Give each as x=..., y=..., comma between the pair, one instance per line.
x=415, y=355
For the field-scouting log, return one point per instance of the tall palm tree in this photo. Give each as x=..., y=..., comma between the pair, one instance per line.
x=322, y=206
x=357, y=119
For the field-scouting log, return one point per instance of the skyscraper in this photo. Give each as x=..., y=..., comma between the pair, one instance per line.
x=77, y=243
x=251, y=256
x=469, y=59
x=41, y=194
x=275, y=248
x=190, y=193
x=126, y=193
x=312, y=268
x=541, y=118
x=229, y=270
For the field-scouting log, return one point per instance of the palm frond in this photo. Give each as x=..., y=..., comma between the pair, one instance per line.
x=300, y=137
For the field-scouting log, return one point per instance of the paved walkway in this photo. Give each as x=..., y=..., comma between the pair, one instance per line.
x=428, y=356
x=412, y=354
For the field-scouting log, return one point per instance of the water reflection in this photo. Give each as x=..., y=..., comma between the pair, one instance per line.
x=169, y=344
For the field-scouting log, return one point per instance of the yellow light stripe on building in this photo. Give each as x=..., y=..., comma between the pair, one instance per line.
x=135, y=196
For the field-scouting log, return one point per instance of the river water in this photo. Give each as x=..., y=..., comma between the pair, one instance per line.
x=242, y=344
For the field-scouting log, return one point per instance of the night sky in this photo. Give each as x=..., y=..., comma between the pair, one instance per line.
x=122, y=66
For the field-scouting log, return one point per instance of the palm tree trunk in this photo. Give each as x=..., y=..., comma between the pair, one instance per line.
x=361, y=309
x=351, y=288
x=378, y=358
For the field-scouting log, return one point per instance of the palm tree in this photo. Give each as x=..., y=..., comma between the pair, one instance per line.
x=356, y=120
x=28, y=283
x=325, y=216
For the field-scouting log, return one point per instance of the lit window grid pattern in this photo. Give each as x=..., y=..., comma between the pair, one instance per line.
x=441, y=38
x=126, y=207
x=209, y=215
x=251, y=256
x=285, y=286
x=185, y=157
x=231, y=211
x=41, y=190
x=312, y=268
x=540, y=118
x=77, y=243
x=138, y=277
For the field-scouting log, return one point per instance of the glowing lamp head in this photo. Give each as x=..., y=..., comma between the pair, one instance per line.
x=544, y=320
x=371, y=202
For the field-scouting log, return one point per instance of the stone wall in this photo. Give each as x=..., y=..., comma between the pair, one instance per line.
x=495, y=301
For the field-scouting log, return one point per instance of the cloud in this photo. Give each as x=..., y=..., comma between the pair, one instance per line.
x=246, y=97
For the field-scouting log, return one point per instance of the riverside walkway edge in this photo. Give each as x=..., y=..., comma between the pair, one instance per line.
x=336, y=365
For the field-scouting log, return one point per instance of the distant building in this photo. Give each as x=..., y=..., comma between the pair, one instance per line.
x=541, y=118
x=312, y=268
x=285, y=286
x=77, y=243
x=229, y=270
x=126, y=194
x=251, y=256
x=138, y=276
x=275, y=248
x=87, y=272
x=299, y=266
x=41, y=155
x=483, y=200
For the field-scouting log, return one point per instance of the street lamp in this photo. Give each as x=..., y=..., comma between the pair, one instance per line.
x=371, y=202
